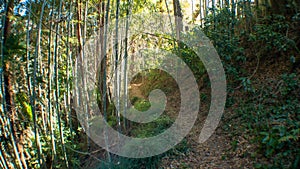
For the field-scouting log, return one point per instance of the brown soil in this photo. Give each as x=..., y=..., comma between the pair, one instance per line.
x=216, y=152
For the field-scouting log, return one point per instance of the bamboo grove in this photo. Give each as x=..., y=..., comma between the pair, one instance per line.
x=42, y=41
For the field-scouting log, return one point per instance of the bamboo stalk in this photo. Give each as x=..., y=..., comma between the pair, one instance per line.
x=3, y=160
x=200, y=13
x=87, y=114
x=33, y=98
x=104, y=74
x=58, y=111
x=28, y=52
x=116, y=50
x=128, y=9
x=68, y=67
x=51, y=120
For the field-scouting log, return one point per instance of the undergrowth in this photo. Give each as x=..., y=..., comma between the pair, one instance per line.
x=272, y=116
x=145, y=131
x=265, y=111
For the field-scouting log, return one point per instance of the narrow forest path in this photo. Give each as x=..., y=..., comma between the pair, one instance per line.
x=219, y=151
x=135, y=91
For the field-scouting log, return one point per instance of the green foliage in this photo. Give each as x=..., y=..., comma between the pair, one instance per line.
x=131, y=163
x=274, y=120
x=191, y=59
x=142, y=105
x=145, y=131
x=246, y=83
x=220, y=30
x=271, y=37
x=153, y=128
x=14, y=45
x=23, y=101
x=270, y=115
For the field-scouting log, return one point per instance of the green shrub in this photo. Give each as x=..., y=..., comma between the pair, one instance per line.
x=274, y=119
x=144, y=131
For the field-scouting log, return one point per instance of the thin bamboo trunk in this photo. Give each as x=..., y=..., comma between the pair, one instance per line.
x=104, y=73
x=116, y=50
x=50, y=112
x=214, y=13
x=178, y=18
x=33, y=98
x=58, y=111
x=28, y=52
x=3, y=159
x=233, y=11
x=200, y=13
x=82, y=54
x=128, y=9
x=206, y=8
x=69, y=57
x=169, y=15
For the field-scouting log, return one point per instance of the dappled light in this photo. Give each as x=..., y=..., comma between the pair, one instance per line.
x=144, y=84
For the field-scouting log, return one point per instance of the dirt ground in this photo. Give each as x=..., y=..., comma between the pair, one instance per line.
x=217, y=152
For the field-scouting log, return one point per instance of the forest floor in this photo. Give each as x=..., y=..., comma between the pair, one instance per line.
x=229, y=146
x=216, y=152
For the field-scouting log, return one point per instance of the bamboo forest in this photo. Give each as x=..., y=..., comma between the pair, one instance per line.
x=147, y=84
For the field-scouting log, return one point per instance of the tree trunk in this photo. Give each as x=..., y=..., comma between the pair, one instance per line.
x=178, y=18
x=9, y=93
